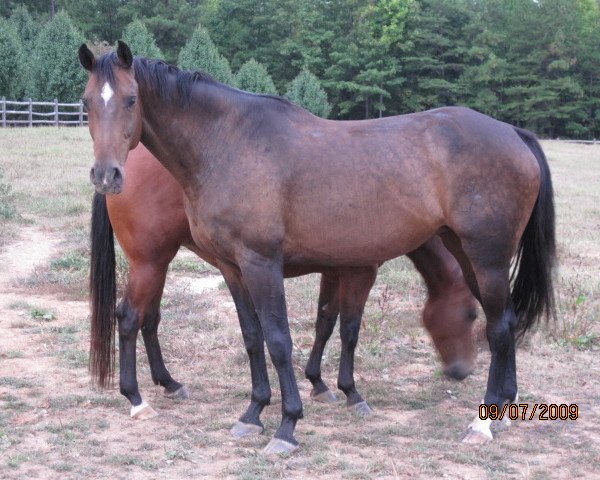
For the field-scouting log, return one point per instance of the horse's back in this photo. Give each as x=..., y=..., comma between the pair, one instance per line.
x=377, y=189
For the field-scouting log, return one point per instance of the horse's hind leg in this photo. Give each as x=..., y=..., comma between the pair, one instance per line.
x=500, y=330
x=140, y=309
x=159, y=372
x=355, y=285
x=487, y=273
x=327, y=313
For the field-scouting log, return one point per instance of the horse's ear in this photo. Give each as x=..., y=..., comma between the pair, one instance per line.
x=124, y=54
x=86, y=57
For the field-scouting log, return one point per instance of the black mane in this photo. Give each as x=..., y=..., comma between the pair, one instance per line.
x=155, y=74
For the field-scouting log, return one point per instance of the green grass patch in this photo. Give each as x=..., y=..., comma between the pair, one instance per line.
x=15, y=461
x=74, y=358
x=71, y=261
x=14, y=382
x=124, y=459
x=8, y=210
x=13, y=354
x=42, y=314
x=190, y=265
x=20, y=305
x=65, y=402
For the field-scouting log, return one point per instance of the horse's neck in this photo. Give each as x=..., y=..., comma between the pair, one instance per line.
x=176, y=137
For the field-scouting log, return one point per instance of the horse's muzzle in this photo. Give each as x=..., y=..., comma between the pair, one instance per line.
x=107, y=180
x=458, y=370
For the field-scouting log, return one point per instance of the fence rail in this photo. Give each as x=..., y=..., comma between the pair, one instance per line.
x=27, y=113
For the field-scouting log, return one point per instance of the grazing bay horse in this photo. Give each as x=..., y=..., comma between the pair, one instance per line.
x=269, y=187
x=148, y=219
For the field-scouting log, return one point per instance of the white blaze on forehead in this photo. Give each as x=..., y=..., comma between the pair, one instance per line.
x=106, y=93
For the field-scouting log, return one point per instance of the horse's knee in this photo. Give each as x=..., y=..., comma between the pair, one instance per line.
x=253, y=343
x=280, y=350
x=349, y=332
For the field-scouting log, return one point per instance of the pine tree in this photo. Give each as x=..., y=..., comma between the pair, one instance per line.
x=25, y=26
x=141, y=41
x=200, y=53
x=171, y=22
x=253, y=77
x=436, y=54
x=99, y=20
x=306, y=91
x=11, y=57
x=55, y=69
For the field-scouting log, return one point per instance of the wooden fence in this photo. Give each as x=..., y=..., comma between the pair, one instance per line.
x=29, y=113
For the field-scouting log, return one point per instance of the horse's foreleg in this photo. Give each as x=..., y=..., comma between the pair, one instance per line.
x=263, y=276
x=249, y=423
x=355, y=285
x=327, y=313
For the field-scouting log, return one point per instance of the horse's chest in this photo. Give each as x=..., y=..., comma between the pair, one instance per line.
x=200, y=230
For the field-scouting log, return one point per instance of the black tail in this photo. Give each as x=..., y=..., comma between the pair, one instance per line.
x=532, y=290
x=103, y=295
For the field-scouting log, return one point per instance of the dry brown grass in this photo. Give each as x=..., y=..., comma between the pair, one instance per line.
x=53, y=424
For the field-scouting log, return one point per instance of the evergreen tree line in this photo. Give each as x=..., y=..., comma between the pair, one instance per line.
x=533, y=63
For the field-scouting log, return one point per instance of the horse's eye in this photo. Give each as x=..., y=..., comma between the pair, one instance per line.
x=130, y=102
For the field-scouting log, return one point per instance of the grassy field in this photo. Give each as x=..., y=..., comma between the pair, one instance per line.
x=54, y=424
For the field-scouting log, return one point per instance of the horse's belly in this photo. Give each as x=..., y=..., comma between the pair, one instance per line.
x=359, y=239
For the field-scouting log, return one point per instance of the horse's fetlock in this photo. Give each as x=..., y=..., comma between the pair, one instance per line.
x=312, y=374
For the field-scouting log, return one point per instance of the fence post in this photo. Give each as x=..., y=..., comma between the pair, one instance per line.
x=30, y=113
x=4, y=111
x=80, y=113
x=56, y=112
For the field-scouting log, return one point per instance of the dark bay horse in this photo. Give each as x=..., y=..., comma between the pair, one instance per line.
x=148, y=219
x=269, y=186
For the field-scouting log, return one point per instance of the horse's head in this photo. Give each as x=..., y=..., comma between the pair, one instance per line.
x=449, y=319
x=114, y=114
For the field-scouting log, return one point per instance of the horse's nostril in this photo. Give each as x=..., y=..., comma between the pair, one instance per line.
x=117, y=174
x=92, y=174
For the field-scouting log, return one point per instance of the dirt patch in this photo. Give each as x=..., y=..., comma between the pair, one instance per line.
x=32, y=247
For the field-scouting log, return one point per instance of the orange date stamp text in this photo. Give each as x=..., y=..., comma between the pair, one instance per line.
x=524, y=411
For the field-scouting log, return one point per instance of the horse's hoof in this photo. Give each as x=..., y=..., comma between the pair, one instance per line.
x=324, y=397
x=143, y=412
x=242, y=430
x=182, y=393
x=477, y=437
x=276, y=445
x=362, y=409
